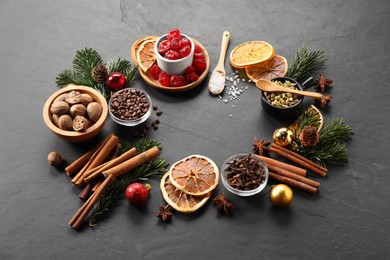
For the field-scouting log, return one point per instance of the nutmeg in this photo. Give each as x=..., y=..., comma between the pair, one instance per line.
x=78, y=110
x=65, y=122
x=54, y=119
x=54, y=158
x=94, y=110
x=85, y=99
x=73, y=97
x=59, y=107
x=61, y=97
x=80, y=123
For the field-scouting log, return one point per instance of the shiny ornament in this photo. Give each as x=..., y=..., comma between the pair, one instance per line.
x=283, y=136
x=137, y=194
x=116, y=81
x=281, y=195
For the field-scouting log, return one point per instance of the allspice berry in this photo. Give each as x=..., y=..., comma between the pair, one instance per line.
x=54, y=159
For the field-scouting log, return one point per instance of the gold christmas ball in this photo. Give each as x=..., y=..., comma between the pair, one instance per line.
x=283, y=136
x=281, y=195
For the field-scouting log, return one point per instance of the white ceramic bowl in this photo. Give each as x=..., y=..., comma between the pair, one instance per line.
x=174, y=67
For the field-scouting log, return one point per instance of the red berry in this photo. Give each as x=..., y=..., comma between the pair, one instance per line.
x=175, y=44
x=199, y=65
x=164, y=79
x=174, y=34
x=199, y=55
x=188, y=70
x=185, y=51
x=137, y=194
x=155, y=71
x=184, y=42
x=178, y=81
x=163, y=47
x=197, y=49
x=191, y=77
x=172, y=55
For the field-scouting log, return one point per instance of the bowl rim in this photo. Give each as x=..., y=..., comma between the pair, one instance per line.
x=284, y=108
x=134, y=122
x=47, y=114
x=244, y=193
x=158, y=55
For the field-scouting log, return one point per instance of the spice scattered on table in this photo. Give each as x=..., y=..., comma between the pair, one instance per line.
x=164, y=213
x=54, y=158
x=223, y=204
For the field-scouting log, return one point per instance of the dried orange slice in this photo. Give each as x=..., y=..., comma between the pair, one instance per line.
x=251, y=53
x=195, y=175
x=178, y=199
x=145, y=55
x=137, y=44
x=276, y=67
x=317, y=120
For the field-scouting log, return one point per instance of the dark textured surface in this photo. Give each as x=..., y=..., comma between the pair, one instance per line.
x=348, y=219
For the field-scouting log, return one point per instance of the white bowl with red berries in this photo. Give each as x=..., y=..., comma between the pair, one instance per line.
x=182, y=63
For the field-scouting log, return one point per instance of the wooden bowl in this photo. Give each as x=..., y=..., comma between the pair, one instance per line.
x=155, y=84
x=73, y=136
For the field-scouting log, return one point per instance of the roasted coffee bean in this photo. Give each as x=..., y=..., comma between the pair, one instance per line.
x=155, y=127
x=129, y=104
x=155, y=107
x=157, y=121
x=159, y=113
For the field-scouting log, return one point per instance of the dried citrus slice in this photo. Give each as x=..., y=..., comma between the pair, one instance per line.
x=195, y=175
x=251, y=53
x=276, y=67
x=311, y=116
x=137, y=45
x=178, y=199
x=145, y=55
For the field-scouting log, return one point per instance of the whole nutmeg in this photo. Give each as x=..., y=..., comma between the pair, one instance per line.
x=59, y=107
x=78, y=110
x=55, y=118
x=80, y=124
x=65, y=122
x=94, y=111
x=73, y=97
x=85, y=99
x=61, y=97
x=54, y=158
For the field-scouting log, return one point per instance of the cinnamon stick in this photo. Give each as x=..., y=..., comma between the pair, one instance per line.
x=289, y=167
x=99, y=181
x=83, y=212
x=115, y=152
x=131, y=163
x=293, y=183
x=78, y=164
x=85, y=192
x=291, y=175
x=91, y=174
x=101, y=155
x=294, y=157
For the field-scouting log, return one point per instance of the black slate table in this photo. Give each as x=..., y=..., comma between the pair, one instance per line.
x=348, y=219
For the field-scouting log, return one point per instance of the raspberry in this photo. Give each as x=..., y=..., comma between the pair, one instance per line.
x=191, y=77
x=199, y=55
x=164, y=79
x=197, y=49
x=184, y=42
x=155, y=71
x=172, y=55
x=184, y=51
x=174, y=34
x=188, y=70
x=163, y=47
x=178, y=81
x=199, y=65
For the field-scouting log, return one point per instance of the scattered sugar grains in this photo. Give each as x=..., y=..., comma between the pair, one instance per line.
x=233, y=88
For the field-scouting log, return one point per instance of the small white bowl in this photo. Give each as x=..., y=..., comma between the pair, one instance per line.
x=174, y=67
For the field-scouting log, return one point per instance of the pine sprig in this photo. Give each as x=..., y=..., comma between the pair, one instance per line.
x=155, y=168
x=331, y=147
x=304, y=63
x=84, y=62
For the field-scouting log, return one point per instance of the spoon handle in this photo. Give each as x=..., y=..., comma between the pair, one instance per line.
x=306, y=93
x=224, y=45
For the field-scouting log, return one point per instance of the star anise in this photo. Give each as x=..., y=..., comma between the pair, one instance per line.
x=321, y=103
x=164, y=213
x=323, y=83
x=223, y=204
x=261, y=147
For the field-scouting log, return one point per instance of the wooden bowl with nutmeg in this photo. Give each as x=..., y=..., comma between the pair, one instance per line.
x=75, y=113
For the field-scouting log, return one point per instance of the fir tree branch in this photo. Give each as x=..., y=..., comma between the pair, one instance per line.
x=70, y=77
x=84, y=62
x=118, y=65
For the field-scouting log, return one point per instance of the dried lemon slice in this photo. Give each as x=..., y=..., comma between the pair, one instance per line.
x=195, y=175
x=137, y=44
x=145, y=55
x=178, y=199
x=251, y=53
x=276, y=67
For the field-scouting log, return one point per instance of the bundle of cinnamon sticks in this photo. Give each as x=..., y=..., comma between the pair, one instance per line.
x=97, y=170
x=292, y=175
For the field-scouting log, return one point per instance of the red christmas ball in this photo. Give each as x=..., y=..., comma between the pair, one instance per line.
x=116, y=81
x=137, y=194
